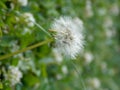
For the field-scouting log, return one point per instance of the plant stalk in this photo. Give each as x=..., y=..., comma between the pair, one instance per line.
x=25, y=49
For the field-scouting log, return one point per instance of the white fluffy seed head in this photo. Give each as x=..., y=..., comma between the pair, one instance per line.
x=68, y=35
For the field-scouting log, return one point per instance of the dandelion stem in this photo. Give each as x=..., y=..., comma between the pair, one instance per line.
x=38, y=26
x=25, y=49
x=42, y=29
x=79, y=75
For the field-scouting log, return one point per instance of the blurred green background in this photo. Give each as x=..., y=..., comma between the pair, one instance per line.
x=96, y=68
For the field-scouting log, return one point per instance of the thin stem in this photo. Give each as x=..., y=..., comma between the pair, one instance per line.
x=42, y=29
x=25, y=49
x=79, y=75
x=38, y=26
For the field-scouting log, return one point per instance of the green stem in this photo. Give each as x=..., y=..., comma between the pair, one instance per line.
x=25, y=49
x=42, y=29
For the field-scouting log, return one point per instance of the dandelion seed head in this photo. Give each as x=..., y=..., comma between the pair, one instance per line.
x=68, y=36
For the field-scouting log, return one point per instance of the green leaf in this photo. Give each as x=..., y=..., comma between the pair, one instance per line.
x=31, y=79
x=15, y=61
x=0, y=33
x=1, y=85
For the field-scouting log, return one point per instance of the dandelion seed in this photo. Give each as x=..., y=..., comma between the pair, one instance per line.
x=68, y=36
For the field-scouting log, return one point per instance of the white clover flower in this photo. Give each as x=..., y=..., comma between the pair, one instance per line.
x=88, y=57
x=114, y=9
x=94, y=82
x=14, y=75
x=29, y=19
x=64, y=69
x=68, y=36
x=108, y=23
x=102, y=11
x=13, y=46
x=110, y=33
x=109, y=27
x=59, y=76
x=57, y=55
x=23, y=2
x=12, y=6
x=28, y=64
x=88, y=9
x=26, y=31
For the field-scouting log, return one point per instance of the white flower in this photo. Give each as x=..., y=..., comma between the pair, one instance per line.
x=26, y=31
x=109, y=28
x=14, y=75
x=64, y=69
x=29, y=19
x=28, y=64
x=68, y=36
x=59, y=76
x=88, y=57
x=102, y=11
x=88, y=9
x=12, y=6
x=114, y=9
x=14, y=46
x=23, y=2
x=108, y=23
x=57, y=55
x=110, y=33
x=94, y=82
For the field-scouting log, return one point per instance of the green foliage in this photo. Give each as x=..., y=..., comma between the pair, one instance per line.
x=1, y=85
x=96, y=68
